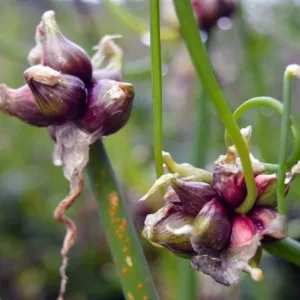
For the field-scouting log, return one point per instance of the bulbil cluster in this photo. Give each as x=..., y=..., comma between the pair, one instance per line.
x=63, y=86
x=77, y=98
x=199, y=219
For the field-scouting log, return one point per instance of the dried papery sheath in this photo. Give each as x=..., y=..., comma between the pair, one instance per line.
x=269, y=223
x=108, y=107
x=61, y=54
x=110, y=53
x=72, y=153
x=56, y=94
x=186, y=171
x=193, y=194
x=170, y=227
x=211, y=228
x=266, y=189
x=20, y=103
x=296, y=169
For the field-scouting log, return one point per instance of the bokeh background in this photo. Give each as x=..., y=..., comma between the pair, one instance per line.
x=249, y=54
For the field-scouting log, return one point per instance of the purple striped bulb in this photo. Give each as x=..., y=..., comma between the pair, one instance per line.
x=193, y=194
x=170, y=227
x=243, y=231
x=56, y=94
x=211, y=228
x=108, y=108
x=58, y=52
x=20, y=103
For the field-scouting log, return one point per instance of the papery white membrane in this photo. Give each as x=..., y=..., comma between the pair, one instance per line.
x=185, y=229
x=72, y=153
x=227, y=266
x=277, y=228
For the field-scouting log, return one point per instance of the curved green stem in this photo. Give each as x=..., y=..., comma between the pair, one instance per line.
x=200, y=59
x=156, y=85
x=123, y=241
x=278, y=106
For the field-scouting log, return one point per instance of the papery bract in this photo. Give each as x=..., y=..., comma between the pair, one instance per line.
x=108, y=51
x=269, y=223
x=186, y=171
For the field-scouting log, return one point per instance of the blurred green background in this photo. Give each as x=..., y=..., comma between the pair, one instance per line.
x=249, y=58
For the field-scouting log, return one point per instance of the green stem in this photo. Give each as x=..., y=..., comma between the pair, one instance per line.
x=278, y=106
x=284, y=142
x=200, y=59
x=156, y=85
x=119, y=230
x=287, y=249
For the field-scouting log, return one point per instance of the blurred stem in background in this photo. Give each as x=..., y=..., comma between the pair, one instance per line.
x=201, y=131
x=123, y=241
x=252, y=52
